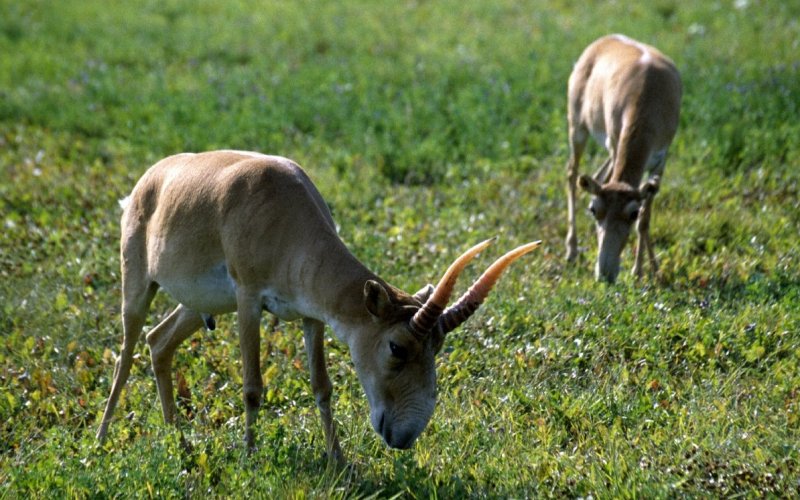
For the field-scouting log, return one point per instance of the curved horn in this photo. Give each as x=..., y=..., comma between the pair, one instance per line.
x=425, y=318
x=474, y=297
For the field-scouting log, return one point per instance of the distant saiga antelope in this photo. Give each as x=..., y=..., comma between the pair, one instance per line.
x=228, y=231
x=627, y=95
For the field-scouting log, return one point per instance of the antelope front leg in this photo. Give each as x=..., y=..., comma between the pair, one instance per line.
x=313, y=332
x=572, y=186
x=651, y=254
x=577, y=141
x=643, y=243
x=249, y=317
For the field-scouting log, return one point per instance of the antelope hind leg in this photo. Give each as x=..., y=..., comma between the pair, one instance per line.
x=136, y=298
x=163, y=340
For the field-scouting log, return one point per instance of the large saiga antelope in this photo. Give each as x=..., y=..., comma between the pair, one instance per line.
x=627, y=95
x=228, y=231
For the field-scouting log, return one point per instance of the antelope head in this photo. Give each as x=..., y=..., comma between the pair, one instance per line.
x=395, y=362
x=615, y=207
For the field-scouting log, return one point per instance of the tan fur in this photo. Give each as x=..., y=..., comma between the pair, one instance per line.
x=229, y=231
x=627, y=95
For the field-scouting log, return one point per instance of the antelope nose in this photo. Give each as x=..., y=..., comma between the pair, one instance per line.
x=608, y=277
x=381, y=423
x=606, y=271
x=401, y=439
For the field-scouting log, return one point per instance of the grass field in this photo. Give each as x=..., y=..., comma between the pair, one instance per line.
x=428, y=126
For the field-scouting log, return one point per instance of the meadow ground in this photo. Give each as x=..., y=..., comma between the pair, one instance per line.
x=427, y=126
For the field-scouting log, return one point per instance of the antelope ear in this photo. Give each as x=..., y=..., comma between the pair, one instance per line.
x=589, y=185
x=377, y=300
x=424, y=293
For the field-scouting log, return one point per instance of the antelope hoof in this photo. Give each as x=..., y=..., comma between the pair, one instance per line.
x=572, y=254
x=186, y=445
x=572, y=247
x=335, y=459
x=249, y=442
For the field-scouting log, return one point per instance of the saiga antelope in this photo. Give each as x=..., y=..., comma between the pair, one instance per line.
x=228, y=231
x=627, y=95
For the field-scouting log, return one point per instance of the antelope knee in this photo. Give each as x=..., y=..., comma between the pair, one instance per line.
x=572, y=172
x=643, y=224
x=157, y=351
x=323, y=393
x=252, y=396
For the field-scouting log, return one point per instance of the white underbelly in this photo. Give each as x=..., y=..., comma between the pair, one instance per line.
x=280, y=306
x=601, y=137
x=212, y=292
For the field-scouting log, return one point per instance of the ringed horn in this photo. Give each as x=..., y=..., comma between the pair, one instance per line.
x=433, y=312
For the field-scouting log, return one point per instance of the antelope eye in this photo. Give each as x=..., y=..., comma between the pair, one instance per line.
x=398, y=351
x=632, y=211
x=594, y=209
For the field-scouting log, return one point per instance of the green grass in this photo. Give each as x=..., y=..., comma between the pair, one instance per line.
x=428, y=126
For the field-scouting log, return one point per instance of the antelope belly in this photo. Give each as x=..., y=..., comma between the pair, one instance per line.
x=602, y=138
x=274, y=303
x=212, y=292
